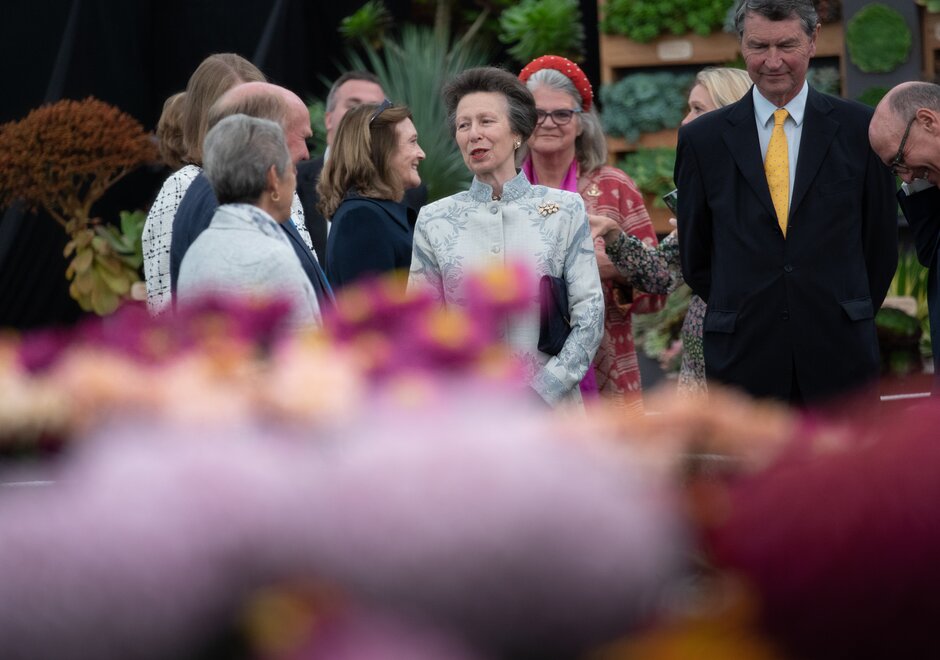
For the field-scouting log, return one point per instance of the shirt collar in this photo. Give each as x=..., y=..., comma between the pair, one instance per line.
x=516, y=187
x=764, y=109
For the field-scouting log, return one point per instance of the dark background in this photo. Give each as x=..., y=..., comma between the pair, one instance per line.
x=133, y=54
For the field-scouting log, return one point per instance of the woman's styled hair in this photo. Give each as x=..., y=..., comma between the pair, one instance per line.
x=170, y=131
x=724, y=85
x=216, y=75
x=361, y=157
x=239, y=153
x=591, y=146
x=522, y=116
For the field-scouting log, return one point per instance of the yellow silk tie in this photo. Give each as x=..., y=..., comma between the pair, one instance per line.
x=777, y=169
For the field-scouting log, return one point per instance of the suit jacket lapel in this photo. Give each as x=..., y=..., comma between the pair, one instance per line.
x=320, y=285
x=741, y=139
x=818, y=131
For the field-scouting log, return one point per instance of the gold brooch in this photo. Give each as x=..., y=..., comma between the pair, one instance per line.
x=593, y=191
x=548, y=208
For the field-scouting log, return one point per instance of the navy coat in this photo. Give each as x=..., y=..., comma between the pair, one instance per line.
x=797, y=310
x=368, y=237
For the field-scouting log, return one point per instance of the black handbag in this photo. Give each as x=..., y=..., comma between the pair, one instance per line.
x=554, y=317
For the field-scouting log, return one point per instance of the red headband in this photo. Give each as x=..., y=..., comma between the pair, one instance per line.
x=568, y=68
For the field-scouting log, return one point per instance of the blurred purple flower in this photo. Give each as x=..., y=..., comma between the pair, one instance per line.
x=841, y=538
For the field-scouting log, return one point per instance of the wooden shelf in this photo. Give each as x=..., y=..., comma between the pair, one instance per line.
x=930, y=36
x=619, y=52
x=664, y=138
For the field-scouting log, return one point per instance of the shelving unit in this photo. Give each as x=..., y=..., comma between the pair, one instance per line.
x=930, y=37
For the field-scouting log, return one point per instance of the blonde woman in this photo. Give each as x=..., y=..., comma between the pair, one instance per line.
x=713, y=89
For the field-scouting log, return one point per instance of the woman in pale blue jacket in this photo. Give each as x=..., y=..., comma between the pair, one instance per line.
x=503, y=219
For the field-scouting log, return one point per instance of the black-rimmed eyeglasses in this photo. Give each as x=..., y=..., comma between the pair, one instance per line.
x=386, y=104
x=560, y=117
x=897, y=165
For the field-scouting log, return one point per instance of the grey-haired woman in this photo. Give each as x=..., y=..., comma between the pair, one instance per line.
x=243, y=252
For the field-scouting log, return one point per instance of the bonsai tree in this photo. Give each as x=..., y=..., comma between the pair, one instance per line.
x=62, y=158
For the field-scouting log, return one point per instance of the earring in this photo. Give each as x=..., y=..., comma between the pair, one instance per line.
x=518, y=143
x=275, y=196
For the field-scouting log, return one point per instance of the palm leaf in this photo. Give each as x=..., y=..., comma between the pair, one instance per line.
x=413, y=68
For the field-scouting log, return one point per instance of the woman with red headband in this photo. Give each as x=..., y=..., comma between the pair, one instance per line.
x=568, y=150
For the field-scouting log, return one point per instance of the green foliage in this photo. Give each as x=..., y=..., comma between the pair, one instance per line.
x=106, y=263
x=644, y=20
x=412, y=68
x=878, y=39
x=652, y=170
x=317, y=108
x=655, y=334
x=910, y=279
x=932, y=6
x=540, y=27
x=825, y=79
x=644, y=103
x=367, y=24
x=872, y=96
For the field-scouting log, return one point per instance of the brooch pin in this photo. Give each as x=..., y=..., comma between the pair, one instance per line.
x=548, y=208
x=593, y=191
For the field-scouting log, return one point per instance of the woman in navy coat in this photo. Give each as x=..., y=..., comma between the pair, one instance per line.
x=374, y=159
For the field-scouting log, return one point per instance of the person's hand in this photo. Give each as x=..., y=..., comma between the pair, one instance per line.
x=604, y=227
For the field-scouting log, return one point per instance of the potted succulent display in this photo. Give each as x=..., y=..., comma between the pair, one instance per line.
x=62, y=158
x=645, y=103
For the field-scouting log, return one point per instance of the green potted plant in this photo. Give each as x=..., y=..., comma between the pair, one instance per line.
x=367, y=24
x=878, y=39
x=62, y=158
x=644, y=103
x=644, y=20
x=537, y=27
x=651, y=170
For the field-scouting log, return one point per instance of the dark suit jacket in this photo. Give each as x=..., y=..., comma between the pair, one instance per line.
x=805, y=302
x=922, y=210
x=308, y=174
x=368, y=237
x=194, y=215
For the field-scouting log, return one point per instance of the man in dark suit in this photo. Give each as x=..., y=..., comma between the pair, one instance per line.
x=265, y=101
x=905, y=133
x=787, y=222
x=349, y=90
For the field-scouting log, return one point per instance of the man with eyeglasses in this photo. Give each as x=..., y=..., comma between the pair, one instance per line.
x=787, y=222
x=905, y=133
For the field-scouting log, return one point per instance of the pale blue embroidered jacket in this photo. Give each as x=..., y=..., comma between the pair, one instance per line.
x=469, y=231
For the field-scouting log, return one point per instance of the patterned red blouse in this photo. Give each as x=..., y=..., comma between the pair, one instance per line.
x=608, y=191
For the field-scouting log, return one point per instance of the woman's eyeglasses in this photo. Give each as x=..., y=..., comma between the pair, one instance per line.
x=386, y=104
x=560, y=117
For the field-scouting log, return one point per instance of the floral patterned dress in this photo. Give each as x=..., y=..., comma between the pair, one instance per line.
x=608, y=191
x=656, y=269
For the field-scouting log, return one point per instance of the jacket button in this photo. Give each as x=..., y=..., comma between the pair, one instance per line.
x=785, y=316
x=495, y=249
x=494, y=209
x=788, y=268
